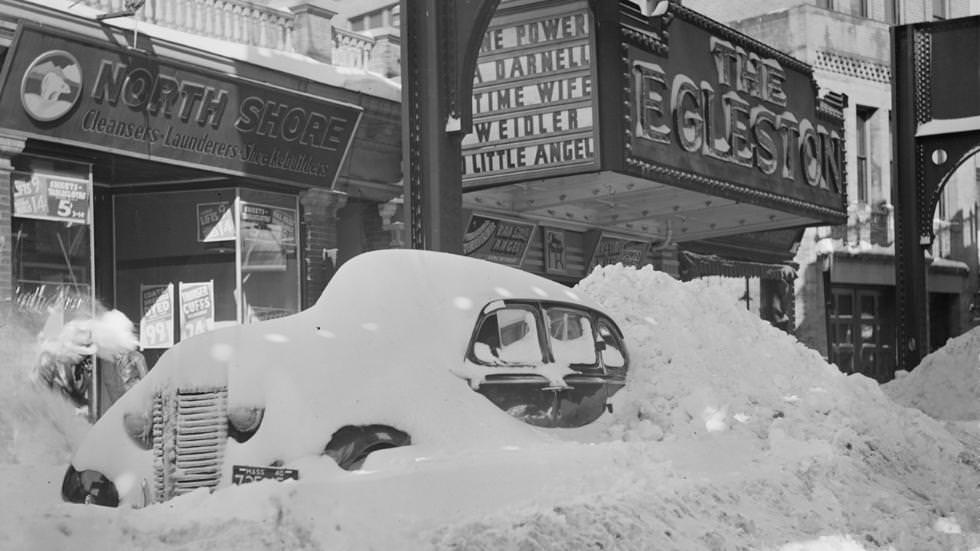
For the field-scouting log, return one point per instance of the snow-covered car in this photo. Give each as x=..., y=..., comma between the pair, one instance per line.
x=400, y=342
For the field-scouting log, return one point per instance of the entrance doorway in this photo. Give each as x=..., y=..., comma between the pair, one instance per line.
x=862, y=331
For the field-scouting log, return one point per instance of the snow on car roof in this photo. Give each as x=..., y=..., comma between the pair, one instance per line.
x=377, y=347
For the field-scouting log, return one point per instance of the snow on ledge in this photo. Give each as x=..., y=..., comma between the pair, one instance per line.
x=357, y=80
x=948, y=126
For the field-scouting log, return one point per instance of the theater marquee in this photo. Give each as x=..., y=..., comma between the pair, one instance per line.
x=533, y=97
x=710, y=107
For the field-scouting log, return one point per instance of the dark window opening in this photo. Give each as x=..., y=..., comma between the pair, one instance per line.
x=864, y=115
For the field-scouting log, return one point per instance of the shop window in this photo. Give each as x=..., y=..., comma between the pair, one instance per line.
x=189, y=261
x=51, y=235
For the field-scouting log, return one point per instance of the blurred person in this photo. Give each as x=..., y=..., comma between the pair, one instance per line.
x=65, y=361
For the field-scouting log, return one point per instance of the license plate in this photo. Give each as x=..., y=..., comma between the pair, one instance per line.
x=243, y=474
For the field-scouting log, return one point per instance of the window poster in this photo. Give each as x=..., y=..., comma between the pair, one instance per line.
x=157, y=319
x=555, y=251
x=51, y=197
x=496, y=240
x=215, y=222
x=196, y=308
x=268, y=236
x=611, y=250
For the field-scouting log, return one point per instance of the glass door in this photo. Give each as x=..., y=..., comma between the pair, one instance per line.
x=861, y=332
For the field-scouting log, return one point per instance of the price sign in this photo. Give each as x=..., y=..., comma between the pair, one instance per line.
x=215, y=222
x=51, y=197
x=243, y=474
x=157, y=321
x=196, y=308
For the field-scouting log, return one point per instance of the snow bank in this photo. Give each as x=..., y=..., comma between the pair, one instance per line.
x=747, y=439
x=36, y=425
x=946, y=383
x=729, y=435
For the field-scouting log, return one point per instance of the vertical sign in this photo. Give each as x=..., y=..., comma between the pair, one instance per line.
x=196, y=308
x=501, y=241
x=555, y=251
x=533, y=97
x=157, y=321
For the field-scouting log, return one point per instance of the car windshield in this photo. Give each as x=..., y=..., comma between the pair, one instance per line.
x=572, y=340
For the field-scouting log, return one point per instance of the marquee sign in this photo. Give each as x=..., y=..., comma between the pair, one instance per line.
x=709, y=106
x=533, y=97
x=61, y=87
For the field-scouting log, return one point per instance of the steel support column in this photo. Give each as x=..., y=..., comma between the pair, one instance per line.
x=912, y=327
x=440, y=43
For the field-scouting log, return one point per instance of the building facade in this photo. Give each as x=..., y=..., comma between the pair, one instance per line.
x=191, y=164
x=846, y=292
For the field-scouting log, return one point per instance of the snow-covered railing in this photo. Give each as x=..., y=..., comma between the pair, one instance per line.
x=237, y=21
x=351, y=49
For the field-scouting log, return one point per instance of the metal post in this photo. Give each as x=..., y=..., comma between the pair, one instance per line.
x=440, y=43
x=912, y=323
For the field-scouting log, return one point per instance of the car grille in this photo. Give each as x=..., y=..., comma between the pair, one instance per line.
x=190, y=431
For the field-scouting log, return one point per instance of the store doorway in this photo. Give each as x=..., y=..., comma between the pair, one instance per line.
x=862, y=331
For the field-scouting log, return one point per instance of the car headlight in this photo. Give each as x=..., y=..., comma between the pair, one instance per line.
x=139, y=428
x=243, y=422
x=88, y=487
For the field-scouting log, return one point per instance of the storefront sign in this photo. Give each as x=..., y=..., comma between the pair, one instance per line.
x=502, y=241
x=611, y=250
x=51, y=197
x=196, y=308
x=157, y=321
x=100, y=95
x=533, y=97
x=715, y=105
x=215, y=222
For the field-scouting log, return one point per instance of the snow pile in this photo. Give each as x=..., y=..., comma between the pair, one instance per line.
x=36, y=425
x=946, y=384
x=729, y=435
x=764, y=443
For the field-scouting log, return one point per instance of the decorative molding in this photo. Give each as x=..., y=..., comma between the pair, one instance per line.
x=731, y=190
x=853, y=67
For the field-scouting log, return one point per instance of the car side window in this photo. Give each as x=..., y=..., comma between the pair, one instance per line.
x=572, y=340
x=508, y=336
x=613, y=352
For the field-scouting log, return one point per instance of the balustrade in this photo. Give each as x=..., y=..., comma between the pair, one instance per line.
x=237, y=21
